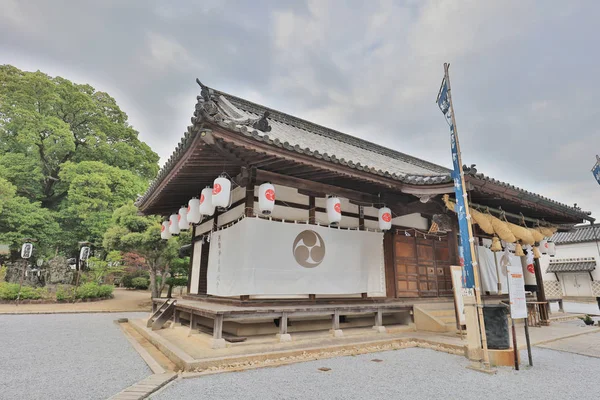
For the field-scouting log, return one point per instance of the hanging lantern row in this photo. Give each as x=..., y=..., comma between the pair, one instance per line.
x=219, y=196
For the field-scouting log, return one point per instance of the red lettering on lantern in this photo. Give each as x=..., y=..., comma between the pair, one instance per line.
x=201, y=198
x=387, y=217
x=338, y=208
x=270, y=194
x=189, y=208
x=178, y=217
x=217, y=189
x=162, y=228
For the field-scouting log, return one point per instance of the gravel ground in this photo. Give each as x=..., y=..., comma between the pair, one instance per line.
x=408, y=374
x=66, y=356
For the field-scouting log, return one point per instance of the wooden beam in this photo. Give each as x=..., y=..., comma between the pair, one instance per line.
x=316, y=187
x=312, y=210
x=428, y=189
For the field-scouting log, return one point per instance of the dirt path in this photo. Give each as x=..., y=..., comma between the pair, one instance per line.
x=124, y=300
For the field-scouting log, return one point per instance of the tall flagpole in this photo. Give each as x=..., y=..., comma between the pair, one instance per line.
x=475, y=264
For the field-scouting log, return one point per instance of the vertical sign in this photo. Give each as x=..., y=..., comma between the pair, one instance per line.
x=466, y=250
x=516, y=293
x=596, y=169
x=456, y=272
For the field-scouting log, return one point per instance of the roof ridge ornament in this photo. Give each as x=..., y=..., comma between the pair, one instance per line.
x=205, y=93
x=262, y=124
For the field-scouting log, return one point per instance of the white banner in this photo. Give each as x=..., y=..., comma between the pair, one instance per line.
x=516, y=292
x=261, y=257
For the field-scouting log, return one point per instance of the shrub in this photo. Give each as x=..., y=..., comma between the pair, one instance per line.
x=127, y=279
x=140, y=283
x=181, y=281
x=105, y=290
x=92, y=290
x=10, y=291
x=65, y=293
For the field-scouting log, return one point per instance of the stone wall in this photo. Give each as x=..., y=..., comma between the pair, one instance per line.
x=56, y=271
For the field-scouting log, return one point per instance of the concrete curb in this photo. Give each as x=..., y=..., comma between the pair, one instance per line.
x=148, y=359
x=145, y=387
x=71, y=312
x=258, y=360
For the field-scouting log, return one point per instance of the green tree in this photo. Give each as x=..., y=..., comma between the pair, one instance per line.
x=137, y=234
x=69, y=150
x=20, y=218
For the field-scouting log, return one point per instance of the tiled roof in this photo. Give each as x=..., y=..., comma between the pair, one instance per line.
x=294, y=134
x=580, y=234
x=572, y=265
x=315, y=140
x=533, y=197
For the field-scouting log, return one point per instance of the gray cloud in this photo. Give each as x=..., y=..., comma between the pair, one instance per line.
x=523, y=72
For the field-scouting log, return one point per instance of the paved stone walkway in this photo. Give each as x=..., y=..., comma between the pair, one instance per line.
x=587, y=345
x=145, y=387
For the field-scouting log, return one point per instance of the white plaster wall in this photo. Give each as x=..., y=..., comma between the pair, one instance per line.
x=411, y=221
x=577, y=250
x=231, y=215
x=195, y=268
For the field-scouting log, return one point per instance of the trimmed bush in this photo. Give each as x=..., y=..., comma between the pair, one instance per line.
x=92, y=290
x=140, y=283
x=64, y=293
x=127, y=279
x=181, y=281
x=10, y=291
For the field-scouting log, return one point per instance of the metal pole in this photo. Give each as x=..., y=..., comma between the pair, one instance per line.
x=497, y=274
x=515, y=349
x=486, y=358
x=21, y=281
x=528, y=343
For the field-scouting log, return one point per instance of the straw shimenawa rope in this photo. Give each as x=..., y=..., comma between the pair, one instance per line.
x=521, y=233
x=537, y=235
x=496, y=246
x=498, y=227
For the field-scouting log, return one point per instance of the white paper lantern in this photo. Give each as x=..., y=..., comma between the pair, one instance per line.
x=528, y=268
x=266, y=198
x=206, y=205
x=174, y=224
x=220, y=192
x=26, y=250
x=385, y=219
x=84, y=253
x=164, y=230
x=551, y=249
x=182, y=219
x=544, y=246
x=193, y=211
x=334, y=210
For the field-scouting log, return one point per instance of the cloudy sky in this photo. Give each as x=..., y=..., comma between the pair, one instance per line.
x=524, y=73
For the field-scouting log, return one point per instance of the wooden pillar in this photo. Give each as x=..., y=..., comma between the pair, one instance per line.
x=361, y=226
x=312, y=219
x=541, y=293
x=189, y=284
x=218, y=327
x=311, y=210
x=249, y=212
x=249, y=207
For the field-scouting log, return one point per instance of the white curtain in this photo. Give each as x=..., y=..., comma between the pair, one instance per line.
x=261, y=257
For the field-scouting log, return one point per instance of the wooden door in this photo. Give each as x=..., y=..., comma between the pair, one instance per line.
x=422, y=267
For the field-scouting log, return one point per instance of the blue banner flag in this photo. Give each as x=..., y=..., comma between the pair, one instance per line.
x=596, y=170
x=466, y=260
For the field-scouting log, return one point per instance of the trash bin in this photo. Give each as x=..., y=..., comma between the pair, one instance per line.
x=496, y=326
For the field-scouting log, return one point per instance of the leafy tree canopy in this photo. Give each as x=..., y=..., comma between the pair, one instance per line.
x=133, y=233
x=68, y=158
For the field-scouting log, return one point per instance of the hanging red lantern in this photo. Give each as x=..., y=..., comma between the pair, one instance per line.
x=385, y=218
x=334, y=210
x=221, y=192
x=193, y=211
x=206, y=206
x=266, y=198
x=182, y=219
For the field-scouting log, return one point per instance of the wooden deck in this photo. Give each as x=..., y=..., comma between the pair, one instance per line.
x=219, y=312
